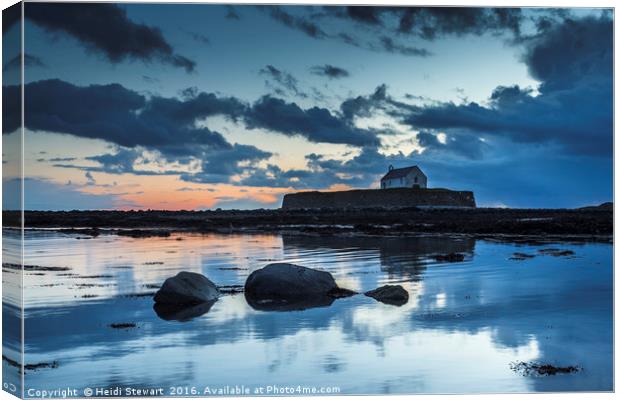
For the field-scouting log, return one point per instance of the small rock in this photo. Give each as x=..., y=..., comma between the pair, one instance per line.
x=390, y=294
x=533, y=368
x=557, y=252
x=123, y=325
x=187, y=288
x=521, y=256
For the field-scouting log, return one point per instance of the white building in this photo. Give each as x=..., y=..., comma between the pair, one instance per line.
x=409, y=177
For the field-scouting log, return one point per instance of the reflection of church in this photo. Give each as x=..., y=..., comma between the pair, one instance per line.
x=402, y=257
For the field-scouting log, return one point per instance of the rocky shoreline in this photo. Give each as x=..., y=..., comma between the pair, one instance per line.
x=591, y=224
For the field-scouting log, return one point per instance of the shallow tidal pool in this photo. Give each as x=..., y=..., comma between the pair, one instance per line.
x=465, y=325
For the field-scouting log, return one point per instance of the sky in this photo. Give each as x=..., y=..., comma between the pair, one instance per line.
x=195, y=106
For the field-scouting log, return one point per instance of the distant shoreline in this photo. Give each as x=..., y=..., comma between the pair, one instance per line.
x=576, y=224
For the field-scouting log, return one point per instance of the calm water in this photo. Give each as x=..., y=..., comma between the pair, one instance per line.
x=462, y=327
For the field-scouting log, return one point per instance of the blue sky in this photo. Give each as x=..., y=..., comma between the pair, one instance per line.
x=188, y=106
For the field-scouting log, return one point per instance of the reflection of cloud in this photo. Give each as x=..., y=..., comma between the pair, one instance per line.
x=440, y=300
x=383, y=319
x=43, y=194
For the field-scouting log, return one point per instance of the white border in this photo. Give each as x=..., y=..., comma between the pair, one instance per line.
x=522, y=3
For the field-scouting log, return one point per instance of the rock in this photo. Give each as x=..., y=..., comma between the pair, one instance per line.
x=282, y=281
x=142, y=233
x=521, y=256
x=557, y=252
x=451, y=257
x=390, y=294
x=187, y=288
x=123, y=325
x=182, y=313
x=533, y=368
x=284, y=287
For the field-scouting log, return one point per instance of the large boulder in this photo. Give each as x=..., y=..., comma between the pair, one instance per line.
x=187, y=288
x=390, y=294
x=288, y=286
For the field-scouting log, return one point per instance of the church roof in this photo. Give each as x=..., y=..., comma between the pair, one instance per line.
x=401, y=172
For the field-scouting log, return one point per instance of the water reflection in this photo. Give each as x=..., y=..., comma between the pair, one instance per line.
x=466, y=321
x=182, y=313
x=401, y=258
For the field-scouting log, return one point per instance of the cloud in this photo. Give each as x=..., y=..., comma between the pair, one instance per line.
x=574, y=108
x=221, y=165
x=284, y=81
x=462, y=144
x=30, y=61
x=199, y=37
x=330, y=71
x=390, y=46
x=305, y=24
x=299, y=23
x=315, y=124
x=89, y=178
x=61, y=159
x=106, y=29
x=122, y=116
x=362, y=106
x=191, y=189
x=172, y=129
x=231, y=13
x=572, y=51
x=433, y=22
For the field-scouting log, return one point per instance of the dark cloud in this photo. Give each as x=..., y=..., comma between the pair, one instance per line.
x=387, y=29
x=282, y=82
x=221, y=165
x=110, y=112
x=231, y=13
x=121, y=162
x=304, y=19
x=574, y=108
x=315, y=124
x=362, y=106
x=167, y=125
x=89, y=179
x=30, y=61
x=432, y=22
x=300, y=23
x=330, y=71
x=503, y=96
x=61, y=159
x=572, y=51
x=191, y=189
x=199, y=37
x=460, y=144
x=106, y=29
x=389, y=45
x=135, y=123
